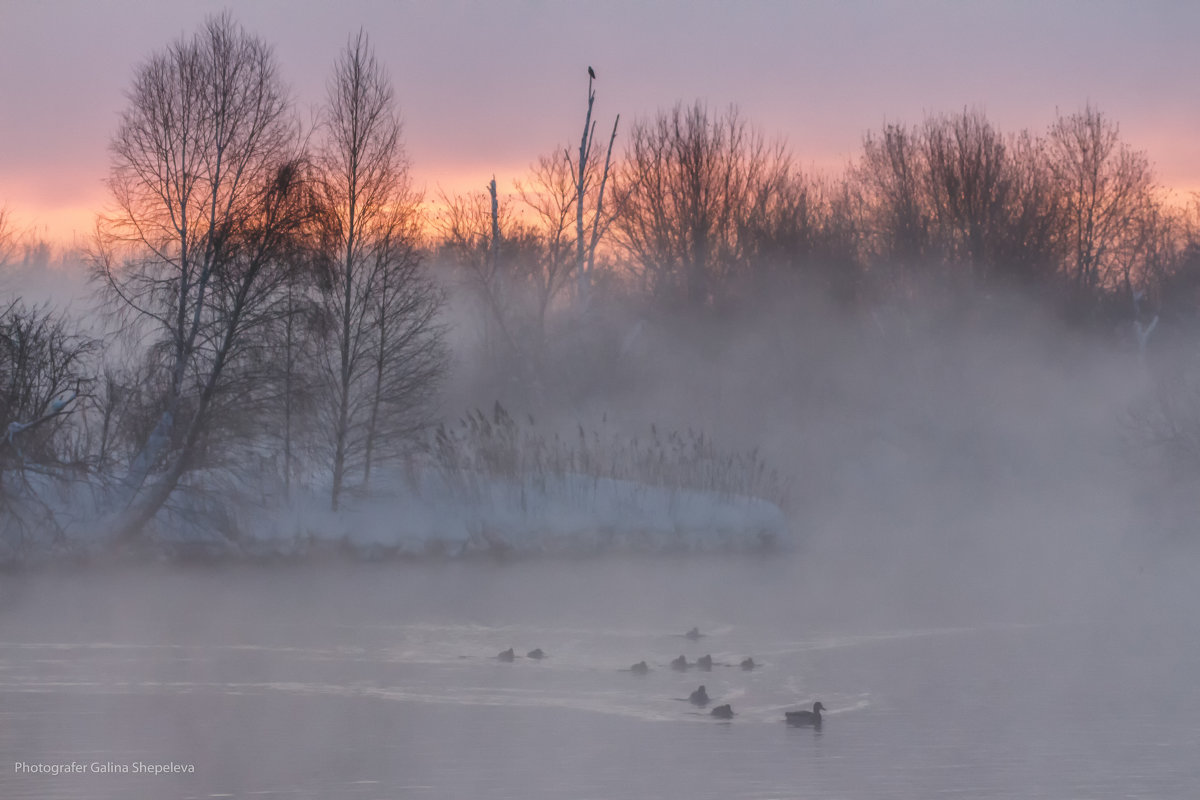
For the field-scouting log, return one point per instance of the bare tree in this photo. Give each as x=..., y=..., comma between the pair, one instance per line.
x=970, y=186
x=958, y=199
x=891, y=176
x=1031, y=242
x=686, y=186
x=530, y=266
x=497, y=258
x=1106, y=186
x=384, y=340
x=46, y=369
x=296, y=338
x=803, y=230
x=208, y=197
x=586, y=180
x=551, y=193
x=8, y=237
x=408, y=355
x=992, y=199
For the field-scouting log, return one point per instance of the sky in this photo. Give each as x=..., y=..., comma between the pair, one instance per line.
x=485, y=88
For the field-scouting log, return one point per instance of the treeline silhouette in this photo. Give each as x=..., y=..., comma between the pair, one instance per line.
x=281, y=311
x=705, y=213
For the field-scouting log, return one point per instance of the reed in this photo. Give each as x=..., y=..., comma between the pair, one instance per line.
x=481, y=449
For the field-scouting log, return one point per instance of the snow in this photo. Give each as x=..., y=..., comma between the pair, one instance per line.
x=434, y=513
x=570, y=513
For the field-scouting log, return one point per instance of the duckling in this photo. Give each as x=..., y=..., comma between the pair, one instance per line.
x=680, y=664
x=699, y=697
x=723, y=712
x=507, y=655
x=806, y=717
x=704, y=663
x=535, y=653
x=639, y=668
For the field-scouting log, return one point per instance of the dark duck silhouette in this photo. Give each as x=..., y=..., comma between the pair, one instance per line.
x=694, y=634
x=805, y=717
x=680, y=664
x=704, y=663
x=723, y=712
x=507, y=655
x=639, y=668
x=699, y=697
x=535, y=653
x=748, y=664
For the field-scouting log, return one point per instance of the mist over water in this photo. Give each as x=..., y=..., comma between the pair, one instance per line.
x=381, y=681
x=980, y=592
x=980, y=589
x=327, y=489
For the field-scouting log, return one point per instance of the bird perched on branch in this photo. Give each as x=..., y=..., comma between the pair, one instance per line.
x=591, y=73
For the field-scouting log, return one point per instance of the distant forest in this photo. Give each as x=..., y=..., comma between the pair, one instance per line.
x=275, y=310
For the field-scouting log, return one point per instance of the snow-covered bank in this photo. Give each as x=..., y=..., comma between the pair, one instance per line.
x=569, y=513
x=483, y=485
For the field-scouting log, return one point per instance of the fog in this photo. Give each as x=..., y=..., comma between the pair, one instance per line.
x=306, y=491
x=979, y=526
x=981, y=456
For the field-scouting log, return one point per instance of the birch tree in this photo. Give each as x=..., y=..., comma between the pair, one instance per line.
x=208, y=199
x=384, y=343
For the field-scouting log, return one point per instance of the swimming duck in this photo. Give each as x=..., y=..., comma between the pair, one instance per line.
x=507, y=655
x=723, y=712
x=748, y=664
x=694, y=634
x=639, y=668
x=699, y=697
x=680, y=664
x=704, y=663
x=805, y=717
x=535, y=653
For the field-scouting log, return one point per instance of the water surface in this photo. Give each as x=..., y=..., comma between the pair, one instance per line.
x=381, y=682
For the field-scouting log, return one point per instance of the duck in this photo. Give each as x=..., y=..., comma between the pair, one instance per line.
x=699, y=697
x=680, y=664
x=704, y=663
x=748, y=663
x=806, y=717
x=723, y=712
x=536, y=653
x=639, y=668
x=694, y=634
x=507, y=655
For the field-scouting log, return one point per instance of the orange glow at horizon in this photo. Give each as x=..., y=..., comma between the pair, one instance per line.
x=65, y=227
x=70, y=225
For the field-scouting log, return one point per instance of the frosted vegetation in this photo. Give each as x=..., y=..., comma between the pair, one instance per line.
x=490, y=486
x=280, y=332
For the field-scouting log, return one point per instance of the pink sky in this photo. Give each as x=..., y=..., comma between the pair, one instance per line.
x=487, y=87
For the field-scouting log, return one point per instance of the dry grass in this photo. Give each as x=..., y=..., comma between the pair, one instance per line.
x=481, y=448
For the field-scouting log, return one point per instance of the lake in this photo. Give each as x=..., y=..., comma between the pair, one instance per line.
x=380, y=681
